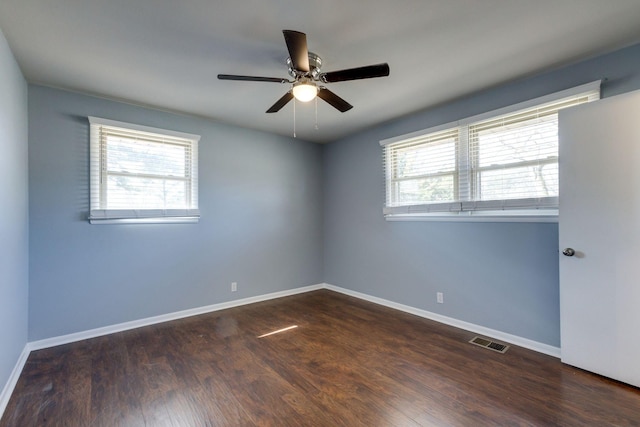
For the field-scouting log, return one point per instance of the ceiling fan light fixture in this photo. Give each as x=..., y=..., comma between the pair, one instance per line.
x=308, y=79
x=304, y=91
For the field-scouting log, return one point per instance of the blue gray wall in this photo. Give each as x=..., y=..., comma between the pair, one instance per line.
x=261, y=226
x=14, y=226
x=502, y=276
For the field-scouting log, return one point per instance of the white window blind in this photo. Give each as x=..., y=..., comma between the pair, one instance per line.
x=142, y=174
x=505, y=160
x=424, y=168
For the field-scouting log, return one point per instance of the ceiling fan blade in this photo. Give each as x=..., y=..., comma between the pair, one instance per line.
x=252, y=78
x=297, y=46
x=281, y=102
x=334, y=100
x=368, y=72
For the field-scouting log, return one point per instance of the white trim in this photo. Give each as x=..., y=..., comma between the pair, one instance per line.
x=419, y=133
x=7, y=391
x=455, y=217
x=529, y=206
x=93, y=333
x=106, y=330
x=492, y=333
x=587, y=87
x=140, y=128
x=157, y=220
x=144, y=214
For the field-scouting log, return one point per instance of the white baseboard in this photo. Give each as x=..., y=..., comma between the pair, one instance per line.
x=92, y=333
x=492, y=333
x=13, y=379
x=106, y=330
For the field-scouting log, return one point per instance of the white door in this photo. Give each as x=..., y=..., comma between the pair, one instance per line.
x=600, y=221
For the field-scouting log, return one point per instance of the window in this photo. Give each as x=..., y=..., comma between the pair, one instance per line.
x=142, y=174
x=504, y=162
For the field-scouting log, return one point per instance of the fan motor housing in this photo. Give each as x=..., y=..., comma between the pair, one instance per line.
x=315, y=65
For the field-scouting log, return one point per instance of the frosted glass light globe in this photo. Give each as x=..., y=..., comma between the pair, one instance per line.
x=305, y=92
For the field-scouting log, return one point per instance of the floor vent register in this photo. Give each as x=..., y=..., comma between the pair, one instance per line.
x=491, y=345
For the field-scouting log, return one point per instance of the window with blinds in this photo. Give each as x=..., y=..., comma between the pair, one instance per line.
x=424, y=168
x=505, y=160
x=142, y=174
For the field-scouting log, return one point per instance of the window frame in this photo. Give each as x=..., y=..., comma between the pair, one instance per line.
x=465, y=207
x=99, y=213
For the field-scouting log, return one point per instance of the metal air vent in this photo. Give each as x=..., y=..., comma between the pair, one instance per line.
x=491, y=345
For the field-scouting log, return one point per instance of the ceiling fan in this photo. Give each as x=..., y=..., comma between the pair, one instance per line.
x=308, y=78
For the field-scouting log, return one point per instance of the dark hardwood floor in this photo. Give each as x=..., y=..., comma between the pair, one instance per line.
x=347, y=363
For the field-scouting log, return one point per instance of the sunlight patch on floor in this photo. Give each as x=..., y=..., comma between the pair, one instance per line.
x=288, y=328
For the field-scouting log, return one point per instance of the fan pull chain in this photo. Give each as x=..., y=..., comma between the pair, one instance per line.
x=316, y=101
x=294, y=117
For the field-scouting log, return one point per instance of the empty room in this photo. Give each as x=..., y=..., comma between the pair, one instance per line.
x=280, y=213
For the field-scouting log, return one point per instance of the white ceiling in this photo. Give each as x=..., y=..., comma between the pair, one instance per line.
x=167, y=54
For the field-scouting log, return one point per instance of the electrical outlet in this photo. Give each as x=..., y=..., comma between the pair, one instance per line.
x=440, y=297
x=234, y=286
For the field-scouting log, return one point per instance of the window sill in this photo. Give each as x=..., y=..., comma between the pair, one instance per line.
x=169, y=220
x=488, y=216
x=151, y=216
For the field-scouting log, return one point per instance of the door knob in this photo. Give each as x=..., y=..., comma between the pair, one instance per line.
x=568, y=252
